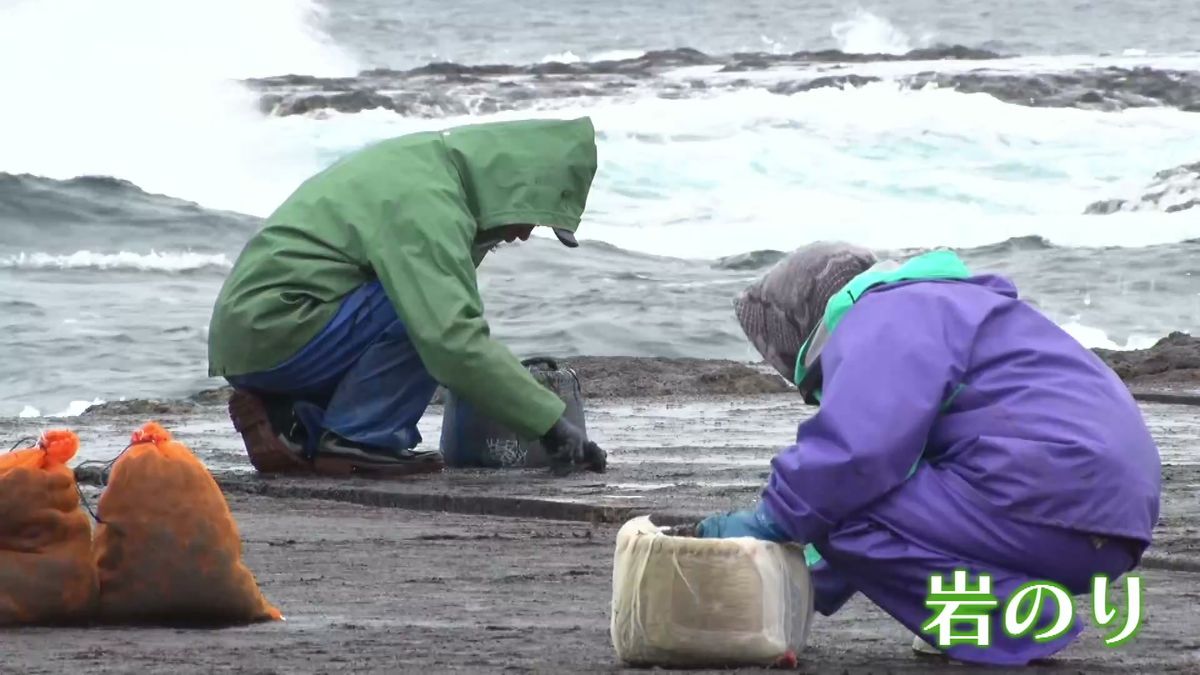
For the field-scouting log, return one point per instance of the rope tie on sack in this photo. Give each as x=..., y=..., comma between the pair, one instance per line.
x=104, y=473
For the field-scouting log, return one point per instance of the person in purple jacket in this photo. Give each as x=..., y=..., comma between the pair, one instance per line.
x=958, y=428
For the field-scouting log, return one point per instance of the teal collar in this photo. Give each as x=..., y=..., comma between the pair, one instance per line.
x=928, y=266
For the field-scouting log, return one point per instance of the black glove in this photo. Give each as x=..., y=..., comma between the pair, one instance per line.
x=567, y=447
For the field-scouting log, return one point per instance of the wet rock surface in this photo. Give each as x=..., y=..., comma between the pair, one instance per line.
x=1173, y=360
x=1107, y=89
x=151, y=407
x=602, y=377
x=367, y=590
x=447, y=89
x=512, y=570
x=1171, y=190
x=632, y=377
x=677, y=458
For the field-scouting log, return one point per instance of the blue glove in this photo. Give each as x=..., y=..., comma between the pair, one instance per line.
x=755, y=523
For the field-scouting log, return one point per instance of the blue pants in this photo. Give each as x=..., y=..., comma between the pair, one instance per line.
x=928, y=526
x=360, y=377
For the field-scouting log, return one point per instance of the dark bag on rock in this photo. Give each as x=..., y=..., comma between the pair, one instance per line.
x=469, y=439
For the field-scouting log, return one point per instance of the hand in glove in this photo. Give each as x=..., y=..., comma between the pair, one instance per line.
x=568, y=447
x=755, y=523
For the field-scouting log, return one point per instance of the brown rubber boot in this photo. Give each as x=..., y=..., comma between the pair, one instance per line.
x=268, y=451
x=272, y=453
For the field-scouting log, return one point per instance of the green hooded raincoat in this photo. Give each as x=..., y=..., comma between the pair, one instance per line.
x=407, y=211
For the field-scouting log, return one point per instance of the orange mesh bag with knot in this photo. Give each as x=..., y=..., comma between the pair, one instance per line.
x=47, y=575
x=167, y=548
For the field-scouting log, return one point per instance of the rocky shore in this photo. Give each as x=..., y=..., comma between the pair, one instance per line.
x=1171, y=190
x=472, y=571
x=1172, y=363
x=453, y=88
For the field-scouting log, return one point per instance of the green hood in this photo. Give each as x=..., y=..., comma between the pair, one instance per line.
x=529, y=172
x=408, y=212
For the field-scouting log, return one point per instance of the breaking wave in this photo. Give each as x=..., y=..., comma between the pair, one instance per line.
x=148, y=91
x=153, y=261
x=867, y=33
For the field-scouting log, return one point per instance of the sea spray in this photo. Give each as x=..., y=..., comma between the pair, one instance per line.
x=867, y=33
x=147, y=90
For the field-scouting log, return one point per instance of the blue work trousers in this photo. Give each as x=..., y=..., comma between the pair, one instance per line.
x=360, y=377
x=890, y=551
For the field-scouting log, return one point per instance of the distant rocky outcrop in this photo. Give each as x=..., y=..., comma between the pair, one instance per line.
x=448, y=89
x=1171, y=190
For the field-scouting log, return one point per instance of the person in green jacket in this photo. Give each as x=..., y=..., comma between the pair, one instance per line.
x=358, y=297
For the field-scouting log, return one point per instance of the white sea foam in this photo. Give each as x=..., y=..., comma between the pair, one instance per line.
x=145, y=90
x=562, y=57
x=607, y=55
x=617, y=55
x=879, y=164
x=154, y=261
x=73, y=409
x=1096, y=338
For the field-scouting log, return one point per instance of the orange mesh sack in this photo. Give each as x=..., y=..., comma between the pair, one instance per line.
x=167, y=547
x=47, y=575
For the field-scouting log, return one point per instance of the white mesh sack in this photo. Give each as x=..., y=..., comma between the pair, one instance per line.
x=683, y=601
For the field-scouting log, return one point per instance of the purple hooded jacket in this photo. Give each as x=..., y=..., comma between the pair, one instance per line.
x=1040, y=430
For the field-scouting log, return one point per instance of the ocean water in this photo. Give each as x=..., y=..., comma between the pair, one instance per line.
x=142, y=141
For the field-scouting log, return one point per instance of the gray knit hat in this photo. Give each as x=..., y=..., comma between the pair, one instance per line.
x=780, y=310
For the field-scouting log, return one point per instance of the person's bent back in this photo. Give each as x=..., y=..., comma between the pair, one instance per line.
x=359, y=296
